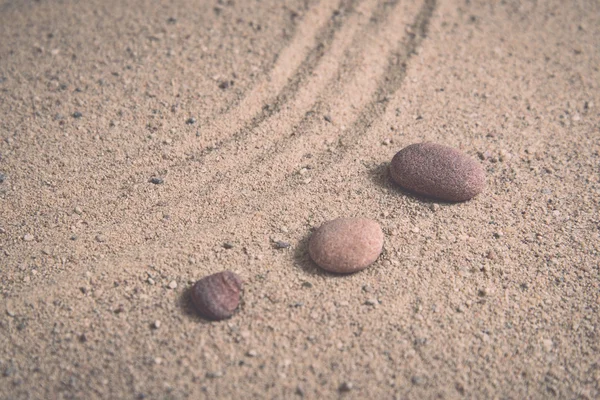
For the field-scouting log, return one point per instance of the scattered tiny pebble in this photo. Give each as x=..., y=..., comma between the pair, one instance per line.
x=2, y=177
x=371, y=302
x=191, y=121
x=346, y=387
x=155, y=180
x=281, y=244
x=173, y=285
x=252, y=353
x=100, y=238
x=225, y=84
x=327, y=118
x=346, y=245
x=417, y=380
x=28, y=237
x=150, y=281
x=217, y=296
x=228, y=245
x=156, y=324
x=307, y=284
x=437, y=171
x=77, y=114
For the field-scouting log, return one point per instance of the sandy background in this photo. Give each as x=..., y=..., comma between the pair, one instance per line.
x=297, y=107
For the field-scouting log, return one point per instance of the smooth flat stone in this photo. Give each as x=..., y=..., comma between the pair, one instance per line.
x=346, y=245
x=438, y=171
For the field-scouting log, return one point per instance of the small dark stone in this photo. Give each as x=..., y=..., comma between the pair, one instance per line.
x=77, y=114
x=171, y=20
x=224, y=85
x=191, y=121
x=58, y=116
x=2, y=177
x=228, y=245
x=217, y=296
x=157, y=181
x=327, y=118
x=2, y=79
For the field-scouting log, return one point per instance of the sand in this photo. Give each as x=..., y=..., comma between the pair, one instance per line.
x=298, y=108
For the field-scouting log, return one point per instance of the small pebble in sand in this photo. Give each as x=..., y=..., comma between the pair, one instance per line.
x=77, y=114
x=28, y=237
x=173, y=285
x=190, y=121
x=346, y=245
x=251, y=353
x=346, y=387
x=156, y=324
x=2, y=177
x=156, y=181
x=217, y=296
x=437, y=171
x=280, y=244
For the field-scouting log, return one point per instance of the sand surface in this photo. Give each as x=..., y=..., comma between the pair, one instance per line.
x=262, y=120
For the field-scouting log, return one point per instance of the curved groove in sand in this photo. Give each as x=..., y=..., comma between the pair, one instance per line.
x=282, y=87
x=363, y=88
x=230, y=202
x=304, y=38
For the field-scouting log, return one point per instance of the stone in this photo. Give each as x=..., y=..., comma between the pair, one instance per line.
x=438, y=171
x=346, y=245
x=217, y=296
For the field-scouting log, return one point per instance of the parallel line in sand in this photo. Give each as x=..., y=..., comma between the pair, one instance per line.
x=346, y=37
x=233, y=115
x=359, y=84
x=323, y=41
x=327, y=74
x=389, y=83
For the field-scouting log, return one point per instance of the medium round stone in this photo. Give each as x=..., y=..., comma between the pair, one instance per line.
x=437, y=171
x=346, y=245
x=217, y=296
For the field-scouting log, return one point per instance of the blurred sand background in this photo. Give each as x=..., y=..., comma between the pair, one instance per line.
x=263, y=119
